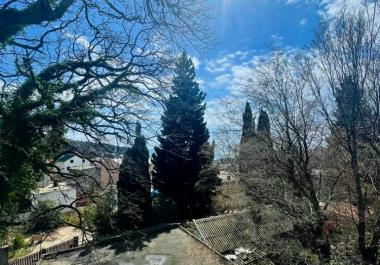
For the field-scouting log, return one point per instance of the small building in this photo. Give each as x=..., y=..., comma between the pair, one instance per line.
x=95, y=171
x=72, y=161
x=109, y=171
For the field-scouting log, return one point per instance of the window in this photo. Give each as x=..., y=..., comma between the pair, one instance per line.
x=83, y=160
x=71, y=161
x=68, y=168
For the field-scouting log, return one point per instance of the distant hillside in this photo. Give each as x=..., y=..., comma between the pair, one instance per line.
x=94, y=149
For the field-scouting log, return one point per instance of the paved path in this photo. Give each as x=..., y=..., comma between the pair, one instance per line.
x=60, y=235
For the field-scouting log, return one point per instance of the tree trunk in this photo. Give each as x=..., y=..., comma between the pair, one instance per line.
x=369, y=254
x=322, y=244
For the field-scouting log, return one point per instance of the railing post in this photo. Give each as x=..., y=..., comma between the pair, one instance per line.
x=76, y=241
x=4, y=254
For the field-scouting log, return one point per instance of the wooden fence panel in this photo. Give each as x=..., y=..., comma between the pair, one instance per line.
x=32, y=258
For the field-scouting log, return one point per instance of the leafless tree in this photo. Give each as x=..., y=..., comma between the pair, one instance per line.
x=345, y=81
x=287, y=162
x=80, y=66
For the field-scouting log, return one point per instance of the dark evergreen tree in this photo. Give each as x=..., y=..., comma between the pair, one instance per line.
x=248, y=130
x=205, y=187
x=263, y=124
x=178, y=162
x=247, y=140
x=263, y=144
x=134, y=185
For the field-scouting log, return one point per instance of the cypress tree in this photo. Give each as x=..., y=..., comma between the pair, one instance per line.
x=248, y=130
x=263, y=144
x=247, y=140
x=177, y=160
x=263, y=124
x=134, y=185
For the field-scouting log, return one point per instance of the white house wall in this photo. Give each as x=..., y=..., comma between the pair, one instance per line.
x=75, y=162
x=64, y=196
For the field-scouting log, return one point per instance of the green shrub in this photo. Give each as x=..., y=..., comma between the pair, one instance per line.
x=104, y=215
x=19, y=241
x=71, y=219
x=164, y=209
x=43, y=218
x=19, y=246
x=100, y=214
x=19, y=253
x=88, y=215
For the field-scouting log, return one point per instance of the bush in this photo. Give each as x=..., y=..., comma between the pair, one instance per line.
x=164, y=209
x=19, y=246
x=88, y=215
x=101, y=214
x=19, y=241
x=71, y=219
x=290, y=252
x=104, y=214
x=43, y=218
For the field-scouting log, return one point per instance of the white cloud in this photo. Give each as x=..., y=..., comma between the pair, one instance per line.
x=226, y=111
x=217, y=66
x=276, y=39
x=329, y=9
x=221, y=81
x=295, y=2
x=196, y=62
x=232, y=71
x=226, y=61
x=212, y=114
x=303, y=22
x=332, y=8
x=200, y=81
x=291, y=2
x=82, y=40
x=276, y=36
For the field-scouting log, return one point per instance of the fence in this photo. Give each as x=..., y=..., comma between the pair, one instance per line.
x=32, y=258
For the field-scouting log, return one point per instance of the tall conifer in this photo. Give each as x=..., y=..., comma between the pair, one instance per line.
x=263, y=124
x=247, y=140
x=177, y=160
x=248, y=130
x=134, y=185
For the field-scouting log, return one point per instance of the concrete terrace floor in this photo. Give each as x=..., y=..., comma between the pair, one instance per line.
x=57, y=236
x=170, y=247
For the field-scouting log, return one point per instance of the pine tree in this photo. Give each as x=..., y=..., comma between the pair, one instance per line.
x=248, y=130
x=263, y=124
x=134, y=185
x=177, y=160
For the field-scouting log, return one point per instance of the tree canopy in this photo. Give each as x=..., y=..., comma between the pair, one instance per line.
x=178, y=162
x=134, y=185
x=90, y=68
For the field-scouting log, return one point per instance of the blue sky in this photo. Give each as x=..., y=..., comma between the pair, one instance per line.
x=245, y=31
